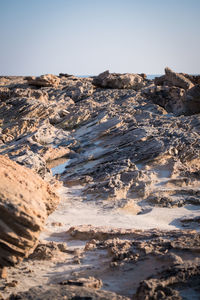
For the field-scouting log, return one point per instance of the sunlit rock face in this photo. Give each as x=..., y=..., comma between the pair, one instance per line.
x=25, y=202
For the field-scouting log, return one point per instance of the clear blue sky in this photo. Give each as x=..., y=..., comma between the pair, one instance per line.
x=89, y=36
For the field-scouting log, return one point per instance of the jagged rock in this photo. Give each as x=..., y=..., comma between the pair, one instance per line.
x=47, y=251
x=47, y=80
x=119, y=81
x=78, y=90
x=4, y=93
x=177, y=79
x=165, y=286
x=30, y=93
x=160, y=80
x=25, y=202
x=172, y=78
x=195, y=79
x=171, y=98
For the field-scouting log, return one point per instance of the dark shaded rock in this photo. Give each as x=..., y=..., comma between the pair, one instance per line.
x=193, y=100
x=195, y=79
x=64, y=75
x=119, y=81
x=170, y=98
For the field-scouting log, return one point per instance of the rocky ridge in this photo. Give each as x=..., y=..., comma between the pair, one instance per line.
x=129, y=144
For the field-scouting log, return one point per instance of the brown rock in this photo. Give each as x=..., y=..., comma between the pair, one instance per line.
x=119, y=81
x=3, y=273
x=44, y=80
x=25, y=202
x=90, y=282
x=194, y=78
x=177, y=79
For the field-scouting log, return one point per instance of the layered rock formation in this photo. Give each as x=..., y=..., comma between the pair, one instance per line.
x=25, y=202
x=122, y=142
x=176, y=92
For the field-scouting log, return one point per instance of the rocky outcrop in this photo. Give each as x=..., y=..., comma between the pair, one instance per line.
x=129, y=154
x=172, y=78
x=25, y=202
x=177, y=79
x=47, y=80
x=119, y=81
x=177, y=93
x=171, y=98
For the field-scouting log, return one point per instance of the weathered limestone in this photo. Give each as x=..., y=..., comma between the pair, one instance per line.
x=78, y=90
x=25, y=202
x=119, y=81
x=177, y=79
x=174, y=79
x=47, y=80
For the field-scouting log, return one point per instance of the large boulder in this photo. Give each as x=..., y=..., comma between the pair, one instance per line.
x=25, y=202
x=119, y=81
x=44, y=80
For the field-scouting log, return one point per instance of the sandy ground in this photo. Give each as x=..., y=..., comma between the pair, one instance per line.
x=74, y=211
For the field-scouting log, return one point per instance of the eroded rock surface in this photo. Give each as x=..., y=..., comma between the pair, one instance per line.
x=61, y=292
x=124, y=144
x=119, y=81
x=44, y=80
x=25, y=202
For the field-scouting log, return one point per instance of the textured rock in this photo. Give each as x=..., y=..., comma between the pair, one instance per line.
x=118, y=151
x=119, y=81
x=78, y=90
x=25, y=202
x=57, y=292
x=194, y=78
x=171, y=98
x=47, y=80
x=177, y=79
x=47, y=251
x=90, y=282
x=165, y=286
